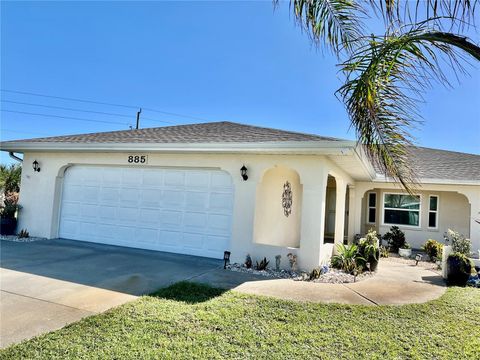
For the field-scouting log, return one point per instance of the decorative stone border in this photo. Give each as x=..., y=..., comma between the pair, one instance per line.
x=332, y=276
x=15, y=238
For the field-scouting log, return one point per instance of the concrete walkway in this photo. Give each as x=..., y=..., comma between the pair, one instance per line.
x=394, y=284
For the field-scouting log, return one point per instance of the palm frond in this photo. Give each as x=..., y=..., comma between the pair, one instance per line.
x=459, y=12
x=385, y=81
x=335, y=23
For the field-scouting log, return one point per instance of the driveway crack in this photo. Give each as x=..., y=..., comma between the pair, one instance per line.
x=47, y=301
x=361, y=295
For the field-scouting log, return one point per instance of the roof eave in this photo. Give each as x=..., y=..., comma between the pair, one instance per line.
x=294, y=147
x=426, y=181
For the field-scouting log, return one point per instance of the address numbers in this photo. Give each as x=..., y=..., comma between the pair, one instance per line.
x=137, y=159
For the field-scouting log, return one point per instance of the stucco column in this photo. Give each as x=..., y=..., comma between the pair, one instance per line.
x=474, y=200
x=244, y=218
x=352, y=213
x=313, y=222
x=340, y=211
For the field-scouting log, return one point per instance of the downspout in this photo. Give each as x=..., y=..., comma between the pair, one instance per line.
x=15, y=157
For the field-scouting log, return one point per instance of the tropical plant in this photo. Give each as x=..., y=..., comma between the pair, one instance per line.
x=368, y=246
x=459, y=268
x=433, y=249
x=262, y=265
x=395, y=238
x=383, y=252
x=460, y=244
x=348, y=258
x=406, y=246
x=387, y=74
x=10, y=206
x=23, y=234
x=10, y=178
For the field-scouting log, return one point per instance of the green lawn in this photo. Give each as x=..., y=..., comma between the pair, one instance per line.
x=194, y=321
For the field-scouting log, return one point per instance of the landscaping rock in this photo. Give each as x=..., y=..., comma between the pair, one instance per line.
x=332, y=276
x=15, y=238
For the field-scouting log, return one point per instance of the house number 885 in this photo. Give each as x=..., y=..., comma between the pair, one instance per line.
x=137, y=159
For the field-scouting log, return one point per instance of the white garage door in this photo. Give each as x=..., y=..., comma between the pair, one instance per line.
x=176, y=210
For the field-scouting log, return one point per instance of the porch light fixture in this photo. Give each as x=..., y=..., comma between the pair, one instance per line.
x=36, y=168
x=226, y=258
x=243, y=172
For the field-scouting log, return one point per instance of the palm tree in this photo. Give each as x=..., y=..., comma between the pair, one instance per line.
x=10, y=178
x=386, y=75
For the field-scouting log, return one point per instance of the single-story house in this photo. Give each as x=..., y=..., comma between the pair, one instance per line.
x=203, y=189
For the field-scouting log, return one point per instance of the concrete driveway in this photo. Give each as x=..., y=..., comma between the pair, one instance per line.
x=48, y=284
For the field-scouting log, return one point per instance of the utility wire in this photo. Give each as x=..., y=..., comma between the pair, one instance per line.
x=81, y=110
x=65, y=117
x=104, y=103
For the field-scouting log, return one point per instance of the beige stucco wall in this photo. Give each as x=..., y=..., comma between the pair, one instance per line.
x=459, y=206
x=41, y=193
x=272, y=227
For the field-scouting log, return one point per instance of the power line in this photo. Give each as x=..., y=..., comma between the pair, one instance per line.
x=65, y=117
x=104, y=103
x=80, y=110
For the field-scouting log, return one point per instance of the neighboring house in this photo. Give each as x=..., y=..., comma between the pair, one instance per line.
x=180, y=189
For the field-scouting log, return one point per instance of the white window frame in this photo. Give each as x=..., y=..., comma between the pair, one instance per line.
x=433, y=211
x=419, y=226
x=372, y=207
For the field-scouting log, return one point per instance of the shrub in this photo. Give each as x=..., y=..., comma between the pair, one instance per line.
x=459, y=267
x=368, y=246
x=460, y=244
x=263, y=264
x=433, y=249
x=23, y=234
x=348, y=258
x=10, y=206
x=405, y=246
x=395, y=238
x=383, y=252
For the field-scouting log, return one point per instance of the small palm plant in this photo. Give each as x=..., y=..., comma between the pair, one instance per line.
x=348, y=258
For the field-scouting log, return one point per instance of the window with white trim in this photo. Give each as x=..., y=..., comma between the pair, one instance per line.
x=372, y=208
x=433, y=211
x=401, y=209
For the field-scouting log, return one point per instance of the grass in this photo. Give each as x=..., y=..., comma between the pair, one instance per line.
x=189, y=320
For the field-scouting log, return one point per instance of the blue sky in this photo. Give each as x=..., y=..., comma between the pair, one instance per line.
x=236, y=61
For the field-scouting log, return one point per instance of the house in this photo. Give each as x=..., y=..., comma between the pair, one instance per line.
x=202, y=189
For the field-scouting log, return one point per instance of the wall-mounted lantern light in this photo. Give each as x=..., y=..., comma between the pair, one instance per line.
x=243, y=172
x=36, y=166
x=226, y=258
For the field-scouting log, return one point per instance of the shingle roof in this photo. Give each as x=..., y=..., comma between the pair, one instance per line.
x=444, y=165
x=215, y=132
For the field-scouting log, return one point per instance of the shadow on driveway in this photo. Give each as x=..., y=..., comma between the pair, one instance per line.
x=126, y=270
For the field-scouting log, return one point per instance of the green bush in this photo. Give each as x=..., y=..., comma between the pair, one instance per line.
x=433, y=249
x=459, y=268
x=383, y=252
x=460, y=244
x=348, y=258
x=368, y=246
x=395, y=238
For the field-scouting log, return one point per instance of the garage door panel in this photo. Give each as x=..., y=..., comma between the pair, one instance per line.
x=173, y=199
x=194, y=220
x=88, y=211
x=196, y=200
x=197, y=179
x=151, y=198
x=177, y=210
x=175, y=178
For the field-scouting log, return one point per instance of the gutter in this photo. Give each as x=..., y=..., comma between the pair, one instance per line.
x=297, y=147
x=15, y=157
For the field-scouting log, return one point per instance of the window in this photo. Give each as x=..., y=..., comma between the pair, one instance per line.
x=401, y=209
x=372, y=208
x=432, y=211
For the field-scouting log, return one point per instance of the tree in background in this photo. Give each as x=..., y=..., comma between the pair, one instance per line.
x=10, y=178
x=386, y=75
